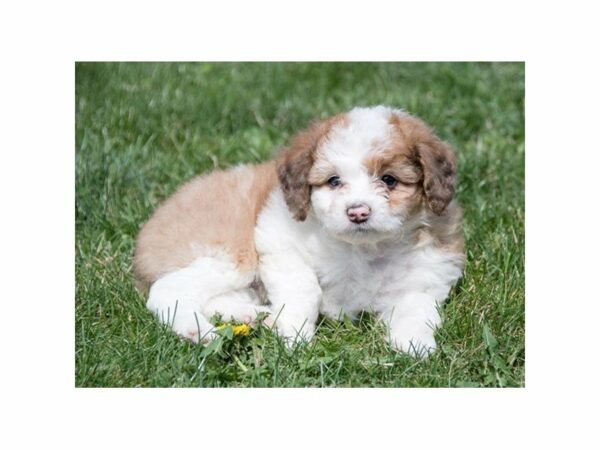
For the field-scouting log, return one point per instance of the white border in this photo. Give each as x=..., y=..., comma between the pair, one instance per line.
x=41, y=40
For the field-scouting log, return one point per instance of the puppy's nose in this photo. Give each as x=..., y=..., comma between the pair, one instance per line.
x=358, y=213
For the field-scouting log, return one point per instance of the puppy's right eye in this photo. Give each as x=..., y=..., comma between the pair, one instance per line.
x=389, y=180
x=334, y=181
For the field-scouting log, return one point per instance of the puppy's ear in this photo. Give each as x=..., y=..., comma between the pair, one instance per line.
x=436, y=159
x=294, y=164
x=439, y=173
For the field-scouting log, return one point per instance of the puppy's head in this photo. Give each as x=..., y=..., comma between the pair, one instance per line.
x=365, y=173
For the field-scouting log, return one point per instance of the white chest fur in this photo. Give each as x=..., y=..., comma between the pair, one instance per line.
x=351, y=277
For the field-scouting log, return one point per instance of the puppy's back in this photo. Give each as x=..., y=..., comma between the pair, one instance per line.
x=212, y=213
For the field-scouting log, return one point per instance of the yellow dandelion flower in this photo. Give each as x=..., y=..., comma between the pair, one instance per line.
x=238, y=330
x=243, y=330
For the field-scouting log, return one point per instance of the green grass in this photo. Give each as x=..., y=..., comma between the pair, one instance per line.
x=142, y=129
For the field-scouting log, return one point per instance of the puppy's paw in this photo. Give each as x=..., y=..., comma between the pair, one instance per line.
x=268, y=320
x=419, y=345
x=253, y=313
x=294, y=333
x=195, y=336
x=194, y=329
x=187, y=322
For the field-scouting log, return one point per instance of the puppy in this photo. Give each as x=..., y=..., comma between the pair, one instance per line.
x=355, y=214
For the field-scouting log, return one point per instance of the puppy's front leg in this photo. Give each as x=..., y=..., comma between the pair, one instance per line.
x=294, y=293
x=411, y=318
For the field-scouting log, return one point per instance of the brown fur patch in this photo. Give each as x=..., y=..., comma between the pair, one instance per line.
x=322, y=170
x=217, y=210
x=295, y=162
x=435, y=158
x=398, y=160
x=425, y=167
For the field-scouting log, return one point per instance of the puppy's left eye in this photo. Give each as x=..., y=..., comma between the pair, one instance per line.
x=389, y=180
x=334, y=181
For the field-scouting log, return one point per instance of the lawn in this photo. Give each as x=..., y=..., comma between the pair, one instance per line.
x=142, y=129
